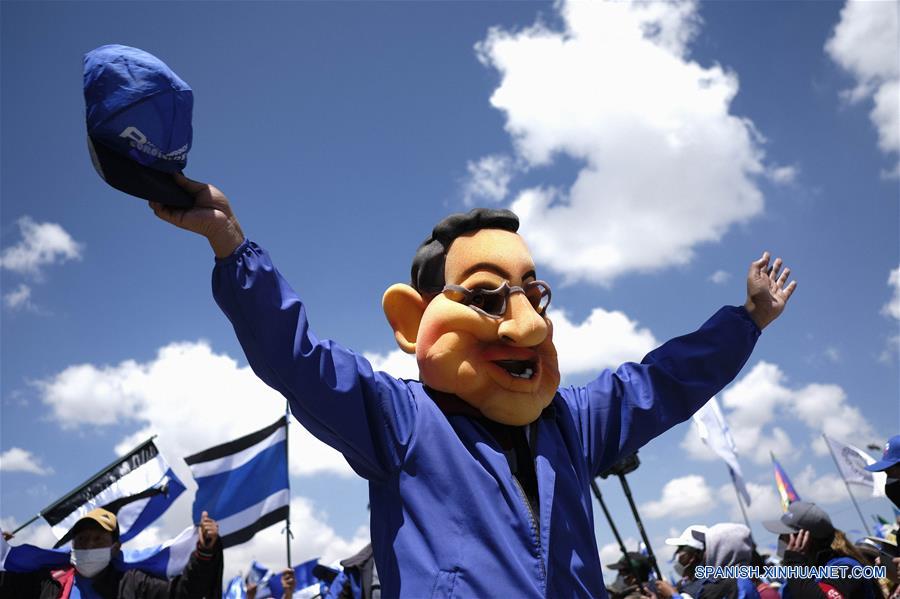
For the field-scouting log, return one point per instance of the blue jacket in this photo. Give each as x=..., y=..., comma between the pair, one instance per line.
x=448, y=517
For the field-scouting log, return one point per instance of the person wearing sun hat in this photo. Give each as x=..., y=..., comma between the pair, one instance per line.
x=890, y=465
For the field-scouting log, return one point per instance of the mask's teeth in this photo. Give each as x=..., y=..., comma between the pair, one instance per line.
x=526, y=374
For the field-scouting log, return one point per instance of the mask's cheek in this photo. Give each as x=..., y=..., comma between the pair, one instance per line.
x=449, y=363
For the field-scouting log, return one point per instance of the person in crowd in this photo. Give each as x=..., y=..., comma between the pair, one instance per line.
x=888, y=555
x=94, y=574
x=870, y=551
x=726, y=544
x=358, y=578
x=688, y=555
x=479, y=473
x=633, y=578
x=805, y=538
x=890, y=465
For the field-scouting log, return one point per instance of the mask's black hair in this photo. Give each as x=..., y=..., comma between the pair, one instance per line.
x=427, y=275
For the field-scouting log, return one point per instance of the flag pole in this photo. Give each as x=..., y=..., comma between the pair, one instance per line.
x=741, y=504
x=609, y=519
x=70, y=493
x=640, y=525
x=849, y=492
x=631, y=569
x=287, y=528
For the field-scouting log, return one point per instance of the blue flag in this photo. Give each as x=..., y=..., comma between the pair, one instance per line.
x=307, y=584
x=243, y=484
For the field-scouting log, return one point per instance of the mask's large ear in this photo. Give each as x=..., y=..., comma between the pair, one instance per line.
x=404, y=307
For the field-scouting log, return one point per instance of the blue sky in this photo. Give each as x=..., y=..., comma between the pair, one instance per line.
x=652, y=152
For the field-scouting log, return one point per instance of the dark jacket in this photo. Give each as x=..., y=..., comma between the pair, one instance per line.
x=812, y=588
x=201, y=579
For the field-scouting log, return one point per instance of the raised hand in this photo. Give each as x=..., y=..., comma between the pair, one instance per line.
x=209, y=532
x=210, y=217
x=799, y=542
x=767, y=293
x=288, y=582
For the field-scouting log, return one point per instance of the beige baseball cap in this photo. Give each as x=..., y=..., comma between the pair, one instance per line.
x=105, y=518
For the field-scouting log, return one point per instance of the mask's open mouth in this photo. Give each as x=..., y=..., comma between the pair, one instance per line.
x=521, y=369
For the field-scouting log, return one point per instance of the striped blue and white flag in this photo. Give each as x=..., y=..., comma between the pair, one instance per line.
x=236, y=588
x=260, y=576
x=138, y=488
x=165, y=561
x=243, y=484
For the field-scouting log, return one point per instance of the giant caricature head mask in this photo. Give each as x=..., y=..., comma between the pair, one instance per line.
x=495, y=350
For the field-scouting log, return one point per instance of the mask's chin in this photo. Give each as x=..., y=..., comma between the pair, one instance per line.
x=512, y=408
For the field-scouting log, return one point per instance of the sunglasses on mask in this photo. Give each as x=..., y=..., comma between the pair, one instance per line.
x=493, y=302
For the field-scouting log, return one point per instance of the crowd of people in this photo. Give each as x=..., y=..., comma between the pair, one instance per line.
x=706, y=558
x=806, y=537
x=813, y=559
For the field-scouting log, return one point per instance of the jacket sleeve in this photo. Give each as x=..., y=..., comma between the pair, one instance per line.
x=620, y=411
x=202, y=577
x=367, y=416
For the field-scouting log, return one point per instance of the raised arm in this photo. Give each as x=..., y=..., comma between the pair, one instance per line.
x=620, y=411
x=332, y=391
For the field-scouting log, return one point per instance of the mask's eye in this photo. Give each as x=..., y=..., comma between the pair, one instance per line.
x=491, y=302
x=538, y=294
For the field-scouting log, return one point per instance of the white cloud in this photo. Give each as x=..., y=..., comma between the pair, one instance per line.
x=720, y=277
x=824, y=409
x=684, y=496
x=820, y=489
x=603, y=340
x=892, y=308
x=16, y=459
x=782, y=175
x=761, y=397
x=42, y=244
x=18, y=298
x=188, y=395
x=864, y=43
x=37, y=533
x=764, y=502
x=753, y=401
x=488, y=179
x=832, y=353
x=665, y=165
x=397, y=363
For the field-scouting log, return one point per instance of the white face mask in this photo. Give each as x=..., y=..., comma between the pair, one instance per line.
x=89, y=562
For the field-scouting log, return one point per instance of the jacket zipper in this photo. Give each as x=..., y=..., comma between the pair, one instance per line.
x=535, y=527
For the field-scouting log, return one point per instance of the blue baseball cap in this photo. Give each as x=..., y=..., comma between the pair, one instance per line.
x=138, y=114
x=889, y=457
